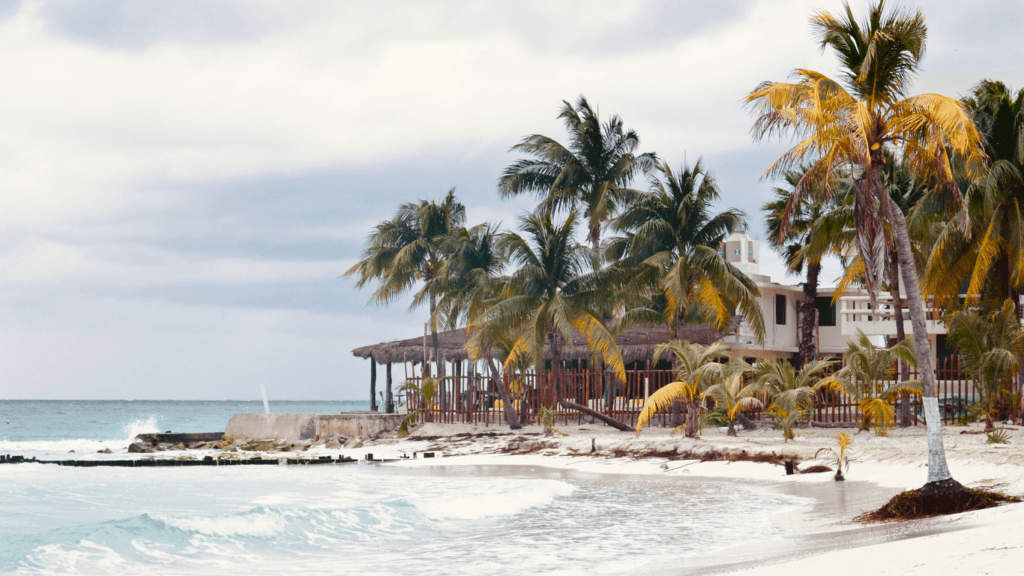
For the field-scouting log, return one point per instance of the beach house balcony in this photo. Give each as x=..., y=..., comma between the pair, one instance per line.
x=856, y=313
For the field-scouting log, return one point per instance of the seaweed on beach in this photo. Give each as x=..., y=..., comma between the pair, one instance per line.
x=706, y=456
x=936, y=499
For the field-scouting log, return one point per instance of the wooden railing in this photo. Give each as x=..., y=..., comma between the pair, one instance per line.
x=473, y=399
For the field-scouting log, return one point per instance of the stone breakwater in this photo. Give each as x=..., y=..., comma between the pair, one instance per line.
x=275, y=435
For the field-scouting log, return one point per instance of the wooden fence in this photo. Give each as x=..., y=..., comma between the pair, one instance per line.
x=473, y=399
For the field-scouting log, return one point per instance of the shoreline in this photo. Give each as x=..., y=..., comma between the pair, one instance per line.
x=828, y=538
x=978, y=542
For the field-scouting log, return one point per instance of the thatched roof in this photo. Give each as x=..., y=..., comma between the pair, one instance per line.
x=635, y=343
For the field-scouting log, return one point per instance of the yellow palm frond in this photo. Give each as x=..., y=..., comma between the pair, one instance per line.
x=601, y=341
x=662, y=399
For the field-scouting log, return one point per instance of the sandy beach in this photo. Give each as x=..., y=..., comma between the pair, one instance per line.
x=982, y=542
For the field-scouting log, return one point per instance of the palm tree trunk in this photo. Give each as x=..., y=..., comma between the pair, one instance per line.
x=938, y=471
x=556, y=370
x=901, y=333
x=808, y=347
x=499, y=385
x=433, y=338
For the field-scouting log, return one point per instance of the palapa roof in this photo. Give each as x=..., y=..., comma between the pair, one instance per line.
x=635, y=343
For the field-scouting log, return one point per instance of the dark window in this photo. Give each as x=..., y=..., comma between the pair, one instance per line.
x=826, y=311
x=780, y=309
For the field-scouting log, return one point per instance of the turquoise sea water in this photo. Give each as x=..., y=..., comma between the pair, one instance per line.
x=56, y=420
x=343, y=519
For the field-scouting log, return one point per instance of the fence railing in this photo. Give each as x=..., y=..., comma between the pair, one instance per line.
x=474, y=399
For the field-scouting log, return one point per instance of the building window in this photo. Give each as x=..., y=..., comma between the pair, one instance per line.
x=826, y=311
x=737, y=252
x=780, y=309
x=721, y=252
x=750, y=251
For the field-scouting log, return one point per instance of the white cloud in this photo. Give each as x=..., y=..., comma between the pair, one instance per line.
x=137, y=165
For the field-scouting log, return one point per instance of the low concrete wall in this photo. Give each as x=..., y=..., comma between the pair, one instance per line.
x=307, y=426
x=353, y=424
x=281, y=426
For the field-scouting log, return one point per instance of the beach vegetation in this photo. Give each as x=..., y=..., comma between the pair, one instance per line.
x=790, y=391
x=868, y=376
x=843, y=129
x=553, y=292
x=803, y=233
x=998, y=436
x=734, y=394
x=410, y=248
x=427, y=390
x=697, y=368
x=669, y=249
x=843, y=442
x=990, y=345
x=592, y=172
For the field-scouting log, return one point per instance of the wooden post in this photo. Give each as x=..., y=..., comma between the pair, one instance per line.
x=373, y=384
x=389, y=403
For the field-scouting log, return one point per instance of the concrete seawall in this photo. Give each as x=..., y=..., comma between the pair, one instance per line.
x=308, y=426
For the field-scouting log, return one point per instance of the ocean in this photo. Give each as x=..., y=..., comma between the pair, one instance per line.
x=342, y=519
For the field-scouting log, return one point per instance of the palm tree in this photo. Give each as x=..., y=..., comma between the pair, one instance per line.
x=697, y=368
x=866, y=378
x=591, y=172
x=545, y=299
x=801, y=224
x=990, y=345
x=671, y=249
x=1000, y=117
x=850, y=127
x=733, y=395
x=410, y=247
x=791, y=391
x=468, y=281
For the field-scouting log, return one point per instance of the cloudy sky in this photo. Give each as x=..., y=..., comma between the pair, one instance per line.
x=182, y=183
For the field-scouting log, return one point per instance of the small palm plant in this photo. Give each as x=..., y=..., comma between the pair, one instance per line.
x=428, y=390
x=733, y=395
x=697, y=368
x=843, y=441
x=990, y=345
x=868, y=378
x=791, y=391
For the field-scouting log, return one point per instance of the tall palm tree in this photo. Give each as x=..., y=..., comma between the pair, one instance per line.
x=591, y=171
x=469, y=279
x=671, y=247
x=991, y=252
x=800, y=247
x=849, y=125
x=409, y=248
x=550, y=294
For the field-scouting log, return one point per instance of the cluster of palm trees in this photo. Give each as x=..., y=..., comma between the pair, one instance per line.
x=910, y=192
x=930, y=185
x=523, y=294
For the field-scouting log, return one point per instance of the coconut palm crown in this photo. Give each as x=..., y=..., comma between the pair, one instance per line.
x=551, y=293
x=590, y=172
x=671, y=240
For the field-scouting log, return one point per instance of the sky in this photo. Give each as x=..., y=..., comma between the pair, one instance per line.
x=183, y=183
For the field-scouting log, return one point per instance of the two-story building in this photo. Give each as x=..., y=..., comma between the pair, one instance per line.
x=836, y=322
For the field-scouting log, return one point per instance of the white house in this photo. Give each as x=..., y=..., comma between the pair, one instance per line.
x=836, y=323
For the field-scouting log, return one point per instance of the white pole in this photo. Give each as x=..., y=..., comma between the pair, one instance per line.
x=647, y=389
x=266, y=405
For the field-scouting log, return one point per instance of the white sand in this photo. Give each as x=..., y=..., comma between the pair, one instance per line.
x=982, y=542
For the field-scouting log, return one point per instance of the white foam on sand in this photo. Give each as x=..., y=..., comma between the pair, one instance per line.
x=980, y=542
